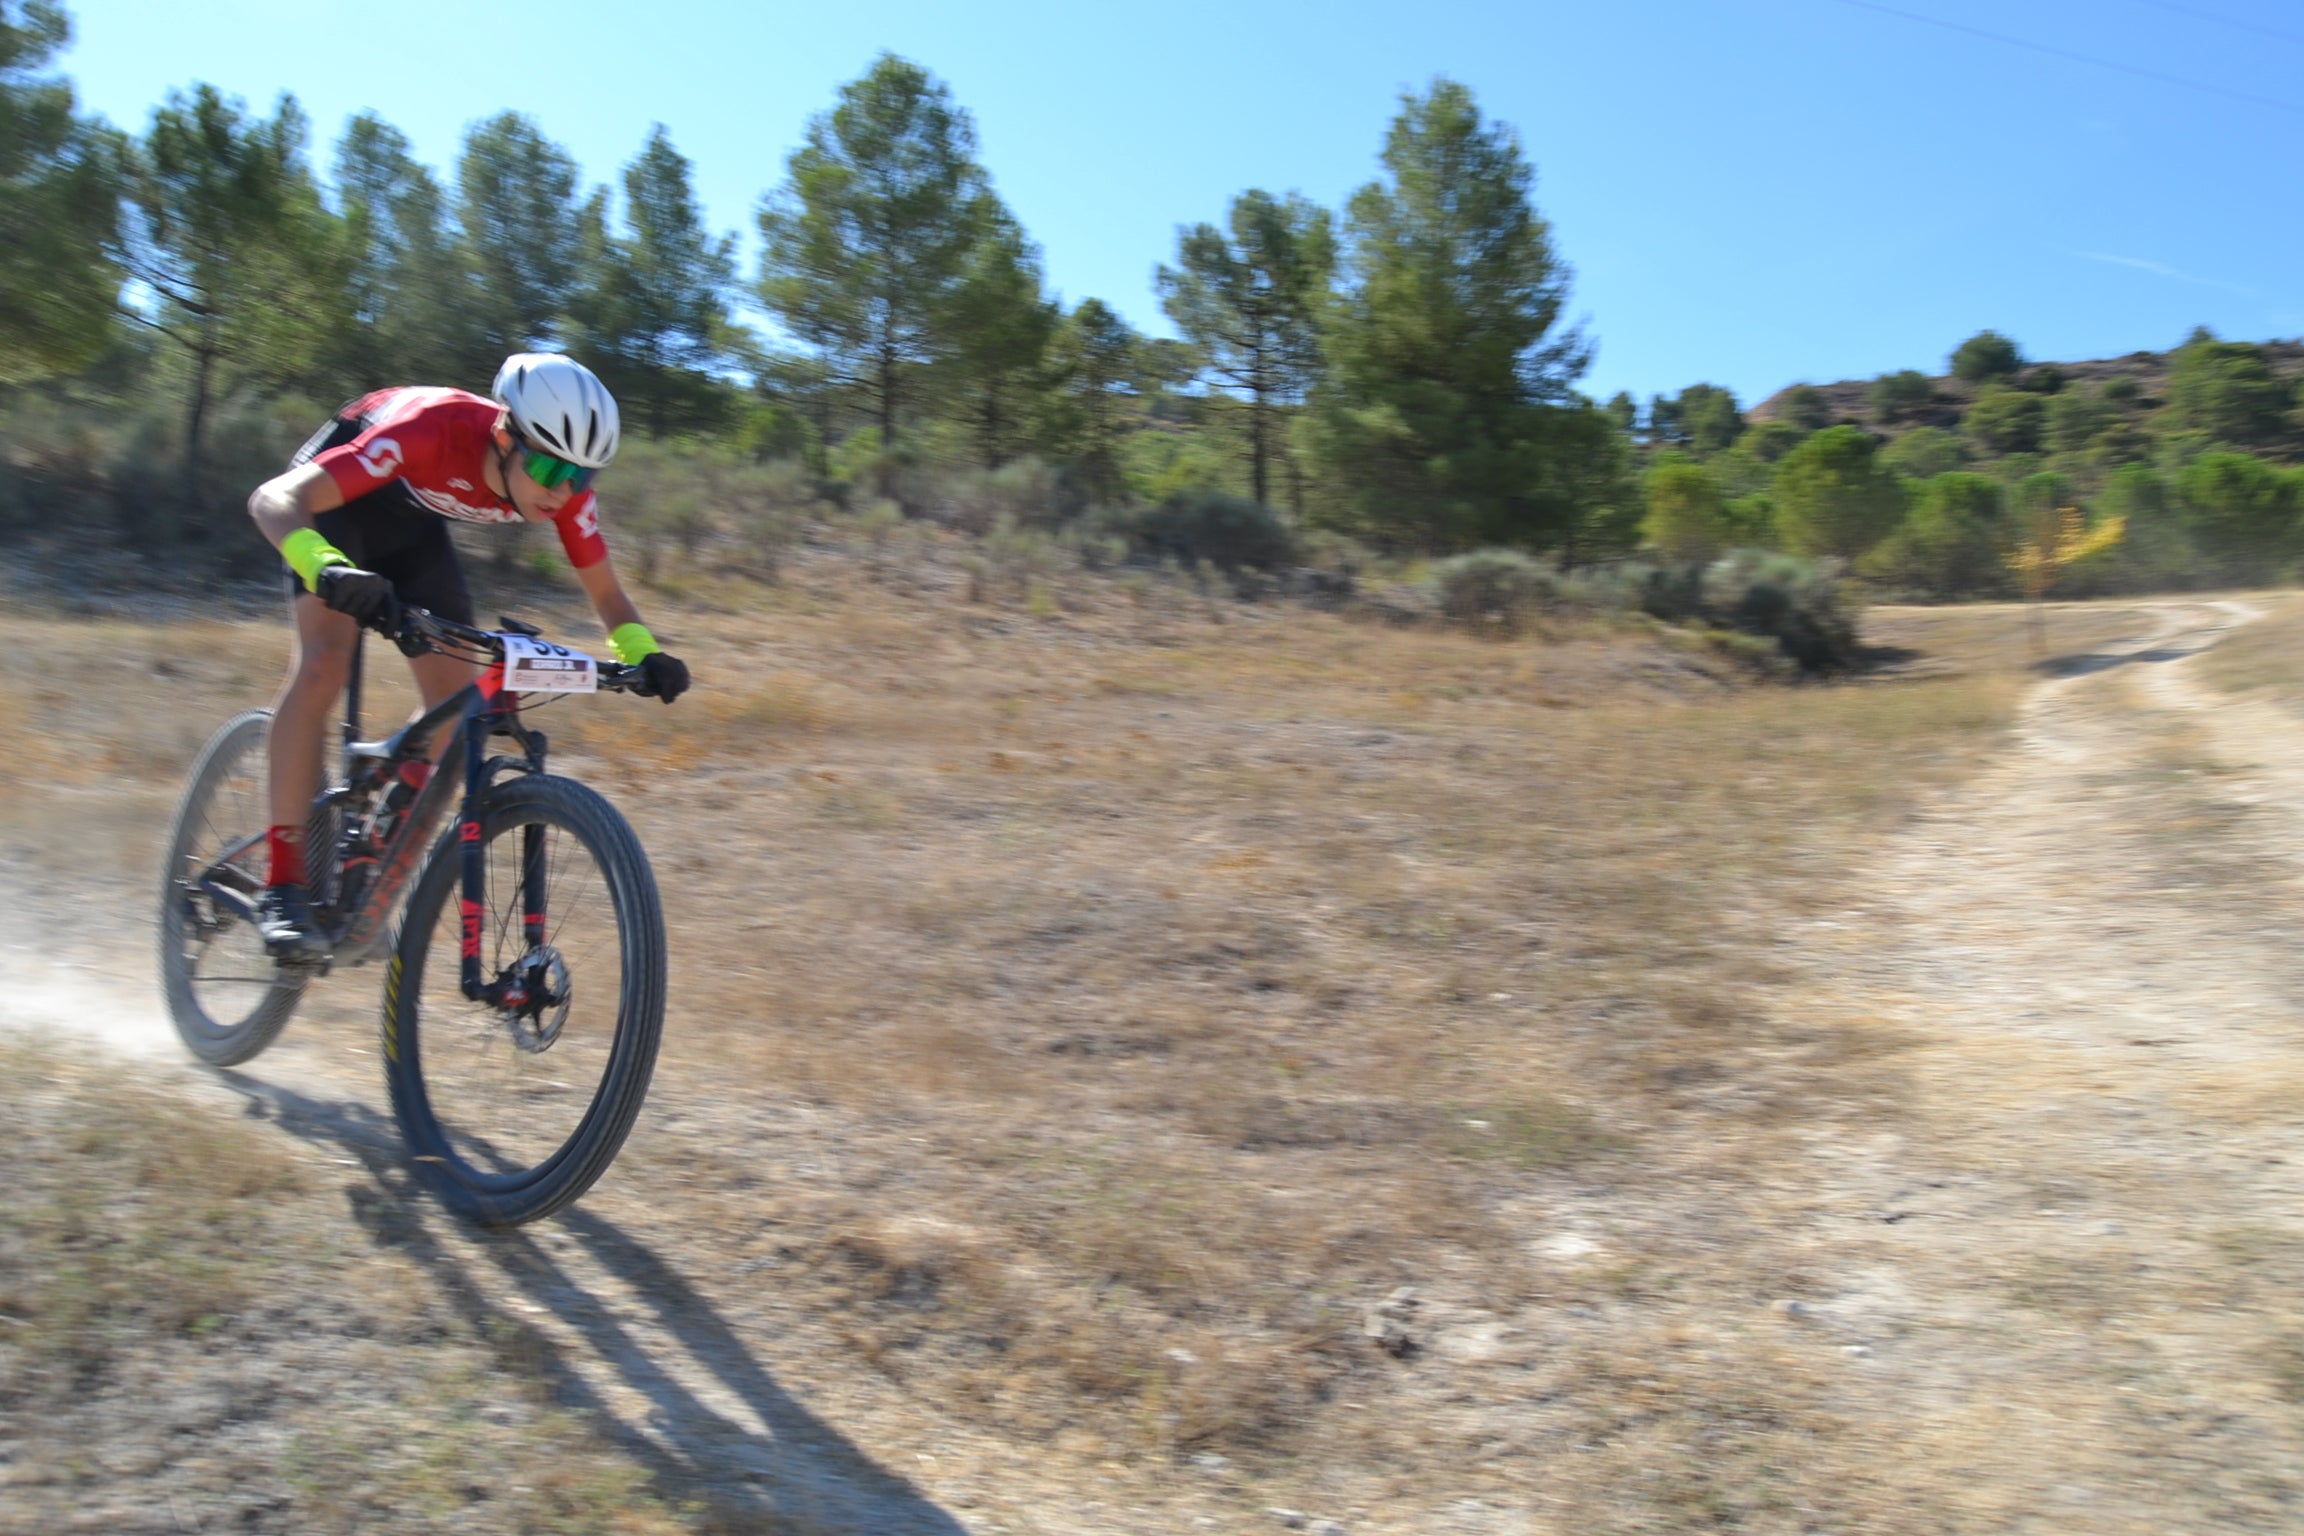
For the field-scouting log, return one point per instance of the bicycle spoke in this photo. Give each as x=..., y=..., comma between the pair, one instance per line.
x=507, y=1099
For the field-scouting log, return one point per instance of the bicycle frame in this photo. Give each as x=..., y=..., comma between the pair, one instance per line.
x=474, y=713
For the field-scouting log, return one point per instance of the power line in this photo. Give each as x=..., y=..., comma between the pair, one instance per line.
x=2228, y=21
x=2078, y=58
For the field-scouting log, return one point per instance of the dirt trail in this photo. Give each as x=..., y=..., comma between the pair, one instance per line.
x=2064, y=1283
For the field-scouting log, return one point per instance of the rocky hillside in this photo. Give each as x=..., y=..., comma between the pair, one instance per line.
x=1849, y=400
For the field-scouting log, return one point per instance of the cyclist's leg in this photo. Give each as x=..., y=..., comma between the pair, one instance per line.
x=297, y=748
x=299, y=744
x=425, y=572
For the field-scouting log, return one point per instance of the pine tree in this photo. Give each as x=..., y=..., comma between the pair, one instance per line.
x=867, y=244
x=231, y=239
x=59, y=206
x=654, y=304
x=1449, y=405
x=1250, y=301
x=516, y=203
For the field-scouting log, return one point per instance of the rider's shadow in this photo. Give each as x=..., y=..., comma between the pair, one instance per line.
x=785, y=1470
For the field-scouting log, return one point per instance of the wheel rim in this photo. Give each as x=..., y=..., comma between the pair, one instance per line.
x=511, y=1088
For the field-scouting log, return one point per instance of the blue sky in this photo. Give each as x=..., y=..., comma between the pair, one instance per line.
x=1751, y=192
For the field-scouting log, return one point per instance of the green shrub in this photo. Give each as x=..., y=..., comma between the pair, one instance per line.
x=1986, y=355
x=1923, y=453
x=2227, y=390
x=706, y=504
x=1020, y=559
x=2074, y=419
x=2006, y=420
x=1771, y=440
x=1687, y=518
x=1834, y=497
x=2157, y=550
x=1806, y=408
x=1493, y=589
x=2121, y=441
x=1896, y=395
x=1949, y=544
x=1230, y=531
x=1025, y=491
x=1800, y=604
x=1703, y=418
x=2240, y=509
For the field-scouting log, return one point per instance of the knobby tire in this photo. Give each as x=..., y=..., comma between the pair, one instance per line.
x=225, y=996
x=469, y=1101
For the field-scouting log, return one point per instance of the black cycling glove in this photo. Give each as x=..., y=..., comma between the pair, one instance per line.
x=662, y=677
x=362, y=596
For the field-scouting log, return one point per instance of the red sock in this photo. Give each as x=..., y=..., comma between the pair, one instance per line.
x=286, y=846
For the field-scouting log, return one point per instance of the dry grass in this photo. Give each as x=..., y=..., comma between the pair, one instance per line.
x=195, y=1327
x=2267, y=656
x=1085, y=1019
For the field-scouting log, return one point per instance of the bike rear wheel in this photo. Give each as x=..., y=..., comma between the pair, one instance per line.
x=512, y=1111
x=226, y=996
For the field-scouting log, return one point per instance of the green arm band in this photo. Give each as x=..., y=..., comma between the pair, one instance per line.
x=630, y=642
x=308, y=555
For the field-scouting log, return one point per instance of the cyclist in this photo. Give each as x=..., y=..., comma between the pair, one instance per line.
x=358, y=519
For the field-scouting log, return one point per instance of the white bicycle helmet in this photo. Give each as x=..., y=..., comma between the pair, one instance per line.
x=560, y=406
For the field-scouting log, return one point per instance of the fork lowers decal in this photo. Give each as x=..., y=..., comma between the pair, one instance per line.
x=471, y=911
x=392, y=1010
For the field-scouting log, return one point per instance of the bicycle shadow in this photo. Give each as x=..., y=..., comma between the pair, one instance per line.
x=784, y=1471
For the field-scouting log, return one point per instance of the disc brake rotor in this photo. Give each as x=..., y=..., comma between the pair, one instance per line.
x=538, y=994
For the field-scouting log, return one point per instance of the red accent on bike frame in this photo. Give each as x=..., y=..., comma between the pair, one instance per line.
x=491, y=680
x=471, y=910
x=468, y=831
x=415, y=773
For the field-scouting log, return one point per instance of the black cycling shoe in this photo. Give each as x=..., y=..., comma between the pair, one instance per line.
x=291, y=934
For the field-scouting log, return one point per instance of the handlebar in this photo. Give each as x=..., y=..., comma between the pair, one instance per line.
x=420, y=631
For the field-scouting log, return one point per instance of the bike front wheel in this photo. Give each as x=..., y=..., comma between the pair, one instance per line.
x=225, y=995
x=514, y=1104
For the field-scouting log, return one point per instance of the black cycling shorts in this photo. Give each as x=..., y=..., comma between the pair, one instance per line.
x=390, y=532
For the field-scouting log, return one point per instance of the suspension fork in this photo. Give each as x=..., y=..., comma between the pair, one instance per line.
x=472, y=850
x=532, y=888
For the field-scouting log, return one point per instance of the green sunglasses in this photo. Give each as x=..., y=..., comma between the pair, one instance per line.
x=549, y=470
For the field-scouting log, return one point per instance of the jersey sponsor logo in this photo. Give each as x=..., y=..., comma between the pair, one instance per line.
x=459, y=485
x=588, y=521
x=382, y=458
x=448, y=506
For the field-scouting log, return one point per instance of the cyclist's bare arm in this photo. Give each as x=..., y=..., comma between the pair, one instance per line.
x=290, y=501
x=607, y=593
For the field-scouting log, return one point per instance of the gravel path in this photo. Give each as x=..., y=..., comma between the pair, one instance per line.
x=2064, y=1283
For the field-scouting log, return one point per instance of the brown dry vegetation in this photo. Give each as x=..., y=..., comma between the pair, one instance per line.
x=191, y=1332
x=1085, y=1025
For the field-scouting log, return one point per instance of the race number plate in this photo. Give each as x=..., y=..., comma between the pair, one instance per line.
x=534, y=666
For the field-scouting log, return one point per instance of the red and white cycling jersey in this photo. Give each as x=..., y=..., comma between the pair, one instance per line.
x=435, y=442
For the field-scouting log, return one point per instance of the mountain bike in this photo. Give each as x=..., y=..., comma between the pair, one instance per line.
x=521, y=1018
